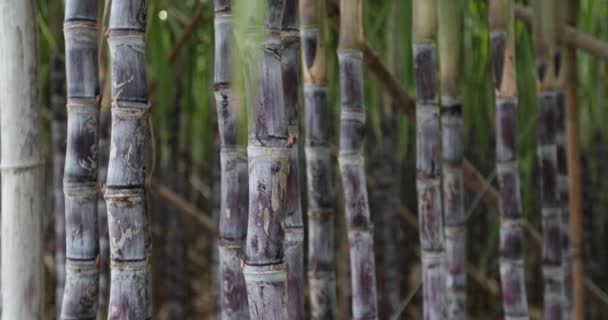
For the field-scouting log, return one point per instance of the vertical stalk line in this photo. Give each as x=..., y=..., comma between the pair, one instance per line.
x=104, y=153
x=233, y=194
x=450, y=38
x=58, y=128
x=57, y=101
x=80, y=183
x=574, y=168
x=545, y=34
x=512, y=271
x=562, y=157
x=294, y=222
x=104, y=244
x=22, y=165
x=268, y=153
x=351, y=161
x=428, y=161
x=125, y=187
x=320, y=190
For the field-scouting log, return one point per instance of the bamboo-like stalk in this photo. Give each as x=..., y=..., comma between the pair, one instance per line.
x=233, y=194
x=450, y=39
x=125, y=188
x=562, y=164
x=81, y=188
x=428, y=159
x=351, y=160
x=58, y=128
x=545, y=34
x=574, y=168
x=321, y=212
x=21, y=165
x=268, y=153
x=294, y=222
x=512, y=272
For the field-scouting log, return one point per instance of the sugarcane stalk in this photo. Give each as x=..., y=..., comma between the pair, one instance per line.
x=548, y=68
x=81, y=188
x=58, y=128
x=351, y=161
x=450, y=38
x=21, y=165
x=233, y=194
x=319, y=172
x=268, y=155
x=512, y=272
x=428, y=161
x=574, y=167
x=562, y=164
x=125, y=188
x=294, y=222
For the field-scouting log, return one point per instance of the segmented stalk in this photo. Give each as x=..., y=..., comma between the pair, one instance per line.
x=512, y=272
x=125, y=188
x=233, y=195
x=81, y=187
x=319, y=172
x=451, y=20
x=562, y=161
x=428, y=162
x=545, y=33
x=23, y=187
x=268, y=153
x=294, y=222
x=351, y=160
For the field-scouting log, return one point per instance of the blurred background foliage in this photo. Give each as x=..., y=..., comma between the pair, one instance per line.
x=187, y=82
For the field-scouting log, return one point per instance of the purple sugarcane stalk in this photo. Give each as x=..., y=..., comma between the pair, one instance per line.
x=512, y=272
x=319, y=172
x=233, y=194
x=351, y=160
x=125, y=187
x=81, y=188
x=268, y=155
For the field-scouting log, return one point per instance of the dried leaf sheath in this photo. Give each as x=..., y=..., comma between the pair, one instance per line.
x=125, y=192
x=81, y=188
x=512, y=272
x=321, y=213
x=351, y=160
x=233, y=194
x=268, y=153
x=428, y=162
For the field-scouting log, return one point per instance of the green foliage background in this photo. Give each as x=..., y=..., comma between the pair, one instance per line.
x=189, y=82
